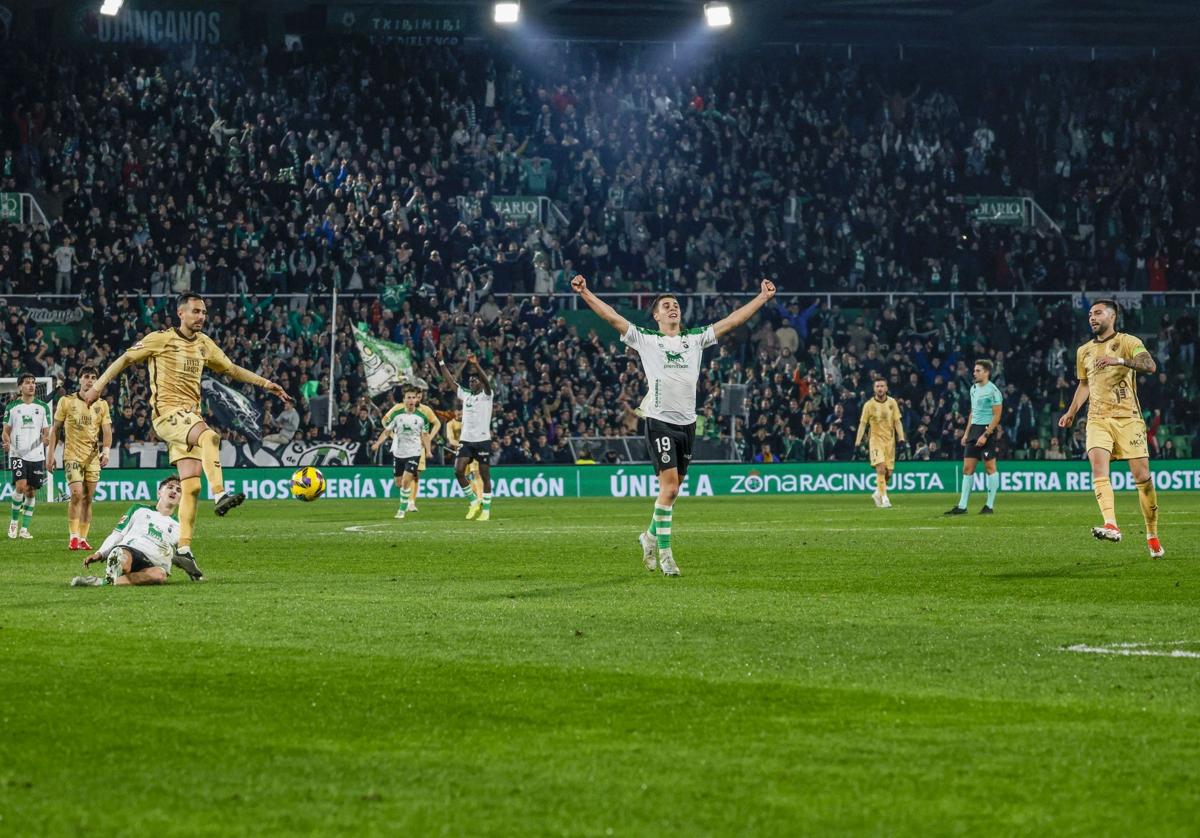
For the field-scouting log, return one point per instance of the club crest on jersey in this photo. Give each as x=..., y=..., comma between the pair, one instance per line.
x=675, y=360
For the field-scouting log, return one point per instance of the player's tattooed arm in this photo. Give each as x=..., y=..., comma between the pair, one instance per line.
x=1142, y=362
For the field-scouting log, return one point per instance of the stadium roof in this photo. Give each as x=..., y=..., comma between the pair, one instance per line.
x=1051, y=22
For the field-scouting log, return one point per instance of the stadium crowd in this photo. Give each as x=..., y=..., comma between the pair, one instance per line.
x=274, y=177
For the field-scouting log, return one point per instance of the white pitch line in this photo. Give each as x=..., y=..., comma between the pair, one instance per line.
x=1146, y=650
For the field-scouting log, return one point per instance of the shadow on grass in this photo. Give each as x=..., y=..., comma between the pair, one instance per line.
x=1075, y=571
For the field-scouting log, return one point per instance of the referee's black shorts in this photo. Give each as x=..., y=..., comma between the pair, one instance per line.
x=976, y=452
x=670, y=445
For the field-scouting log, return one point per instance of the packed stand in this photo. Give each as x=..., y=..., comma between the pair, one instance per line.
x=263, y=175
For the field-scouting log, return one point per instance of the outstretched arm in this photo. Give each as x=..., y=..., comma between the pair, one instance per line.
x=607, y=312
x=447, y=376
x=741, y=315
x=55, y=430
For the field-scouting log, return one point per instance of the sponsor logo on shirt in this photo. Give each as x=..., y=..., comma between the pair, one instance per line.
x=675, y=360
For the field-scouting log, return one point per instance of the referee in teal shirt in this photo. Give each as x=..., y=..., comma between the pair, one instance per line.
x=979, y=441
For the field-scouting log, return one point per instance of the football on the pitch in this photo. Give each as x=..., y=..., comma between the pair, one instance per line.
x=308, y=484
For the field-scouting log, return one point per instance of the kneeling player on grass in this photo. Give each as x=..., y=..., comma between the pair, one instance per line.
x=410, y=432
x=476, y=434
x=671, y=360
x=979, y=439
x=140, y=550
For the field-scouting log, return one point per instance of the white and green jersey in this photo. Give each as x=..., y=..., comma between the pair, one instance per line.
x=672, y=365
x=477, y=415
x=406, y=429
x=145, y=529
x=27, y=420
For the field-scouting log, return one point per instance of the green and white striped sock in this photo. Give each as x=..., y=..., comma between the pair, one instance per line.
x=404, y=496
x=653, y=521
x=30, y=503
x=18, y=506
x=662, y=526
x=487, y=501
x=470, y=493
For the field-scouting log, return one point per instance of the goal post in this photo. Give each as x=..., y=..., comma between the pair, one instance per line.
x=45, y=392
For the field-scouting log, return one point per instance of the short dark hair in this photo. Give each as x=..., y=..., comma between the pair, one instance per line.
x=184, y=298
x=658, y=299
x=21, y=379
x=170, y=478
x=1112, y=304
x=88, y=369
x=986, y=364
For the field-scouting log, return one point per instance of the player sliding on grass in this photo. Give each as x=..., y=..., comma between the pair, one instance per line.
x=671, y=360
x=476, y=433
x=1107, y=367
x=410, y=432
x=176, y=359
x=140, y=550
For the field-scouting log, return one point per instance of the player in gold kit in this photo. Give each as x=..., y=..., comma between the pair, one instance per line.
x=1107, y=366
x=176, y=359
x=86, y=432
x=883, y=415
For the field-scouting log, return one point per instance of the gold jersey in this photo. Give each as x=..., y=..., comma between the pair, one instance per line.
x=1113, y=389
x=884, y=420
x=454, y=432
x=82, y=425
x=435, y=424
x=176, y=365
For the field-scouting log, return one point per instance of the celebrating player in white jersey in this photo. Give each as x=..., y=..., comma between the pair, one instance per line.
x=410, y=431
x=140, y=550
x=671, y=360
x=26, y=434
x=476, y=439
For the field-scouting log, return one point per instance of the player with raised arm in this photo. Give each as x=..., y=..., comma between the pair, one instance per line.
x=1107, y=366
x=26, y=434
x=671, y=360
x=882, y=414
x=86, y=433
x=454, y=442
x=979, y=439
x=410, y=432
x=176, y=359
x=142, y=547
x=476, y=441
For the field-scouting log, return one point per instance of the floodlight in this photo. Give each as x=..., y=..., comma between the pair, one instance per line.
x=507, y=13
x=717, y=14
x=111, y=7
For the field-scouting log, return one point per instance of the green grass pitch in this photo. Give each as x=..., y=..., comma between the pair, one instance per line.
x=822, y=666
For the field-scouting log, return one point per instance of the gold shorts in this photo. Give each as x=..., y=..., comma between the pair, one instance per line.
x=78, y=472
x=885, y=454
x=472, y=470
x=173, y=429
x=1124, y=439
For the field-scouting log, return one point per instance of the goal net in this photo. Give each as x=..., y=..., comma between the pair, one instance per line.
x=8, y=392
